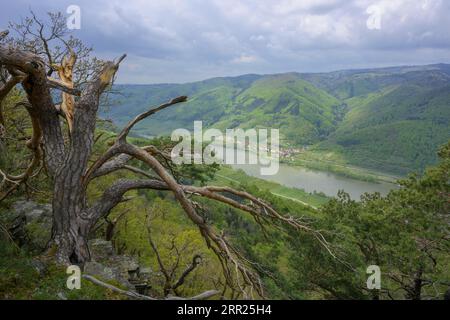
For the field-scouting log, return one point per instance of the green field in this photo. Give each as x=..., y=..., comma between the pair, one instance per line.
x=228, y=176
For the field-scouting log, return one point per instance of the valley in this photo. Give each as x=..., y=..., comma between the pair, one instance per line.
x=389, y=120
x=373, y=125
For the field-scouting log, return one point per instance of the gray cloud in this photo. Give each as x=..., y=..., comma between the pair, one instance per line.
x=185, y=40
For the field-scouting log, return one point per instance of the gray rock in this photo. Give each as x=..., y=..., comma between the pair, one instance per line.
x=30, y=224
x=40, y=267
x=146, y=273
x=106, y=264
x=61, y=296
x=101, y=250
x=106, y=273
x=124, y=264
x=16, y=227
x=98, y=269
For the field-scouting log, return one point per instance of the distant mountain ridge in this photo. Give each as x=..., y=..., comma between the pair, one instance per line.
x=391, y=119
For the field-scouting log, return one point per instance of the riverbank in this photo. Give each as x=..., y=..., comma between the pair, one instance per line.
x=227, y=174
x=316, y=161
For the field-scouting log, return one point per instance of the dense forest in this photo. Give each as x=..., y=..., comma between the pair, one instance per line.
x=76, y=189
x=391, y=119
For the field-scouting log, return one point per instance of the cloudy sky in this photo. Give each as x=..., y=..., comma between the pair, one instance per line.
x=187, y=40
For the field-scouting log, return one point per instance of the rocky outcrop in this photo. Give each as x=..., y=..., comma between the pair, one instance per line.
x=30, y=224
x=107, y=265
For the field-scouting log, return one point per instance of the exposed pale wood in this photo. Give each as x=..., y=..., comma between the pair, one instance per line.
x=57, y=84
x=65, y=74
x=3, y=34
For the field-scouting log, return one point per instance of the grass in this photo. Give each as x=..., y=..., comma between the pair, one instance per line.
x=315, y=161
x=227, y=176
x=19, y=280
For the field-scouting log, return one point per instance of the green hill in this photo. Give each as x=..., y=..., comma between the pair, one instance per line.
x=397, y=127
x=388, y=119
x=304, y=113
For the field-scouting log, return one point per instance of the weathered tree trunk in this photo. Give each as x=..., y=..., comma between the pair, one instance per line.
x=70, y=225
x=70, y=231
x=72, y=219
x=65, y=163
x=70, y=240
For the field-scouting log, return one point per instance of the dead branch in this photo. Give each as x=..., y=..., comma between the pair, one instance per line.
x=105, y=165
x=162, y=268
x=9, y=85
x=34, y=144
x=196, y=260
x=98, y=170
x=130, y=294
x=203, y=296
x=148, y=113
x=235, y=266
x=113, y=160
x=3, y=34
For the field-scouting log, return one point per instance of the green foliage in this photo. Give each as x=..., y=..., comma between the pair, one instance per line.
x=19, y=279
x=396, y=130
x=305, y=113
x=405, y=233
x=177, y=242
x=390, y=120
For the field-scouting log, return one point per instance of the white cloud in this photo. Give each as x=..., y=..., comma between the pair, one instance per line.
x=235, y=36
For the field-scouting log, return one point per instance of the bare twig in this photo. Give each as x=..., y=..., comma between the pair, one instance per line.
x=148, y=113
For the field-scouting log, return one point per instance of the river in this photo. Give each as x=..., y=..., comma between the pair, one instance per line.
x=314, y=180
x=320, y=181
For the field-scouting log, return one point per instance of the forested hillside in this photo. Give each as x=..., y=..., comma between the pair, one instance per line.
x=396, y=117
x=390, y=119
